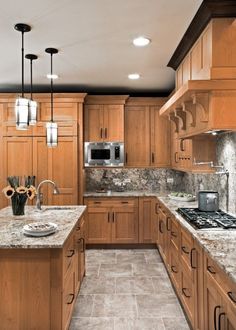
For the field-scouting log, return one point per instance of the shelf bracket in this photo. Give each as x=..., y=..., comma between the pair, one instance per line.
x=179, y=113
x=201, y=101
x=189, y=107
x=175, y=120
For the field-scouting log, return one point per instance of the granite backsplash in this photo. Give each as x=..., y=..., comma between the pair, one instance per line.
x=157, y=179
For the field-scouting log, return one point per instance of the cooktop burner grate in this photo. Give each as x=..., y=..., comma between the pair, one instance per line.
x=206, y=220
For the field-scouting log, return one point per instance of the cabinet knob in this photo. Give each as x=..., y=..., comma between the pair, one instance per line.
x=184, y=249
x=211, y=270
x=232, y=296
x=184, y=293
x=71, y=253
x=72, y=298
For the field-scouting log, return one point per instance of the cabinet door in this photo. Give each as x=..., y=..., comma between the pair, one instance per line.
x=93, y=123
x=174, y=148
x=98, y=225
x=113, y=125
x=213, y=304
x=125, y=225
x=62, y=169
x=146, y=220
x=160, y=139
x=40, y=164
x=137, y=136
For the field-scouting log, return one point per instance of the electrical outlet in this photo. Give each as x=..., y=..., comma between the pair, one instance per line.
x=170, y=180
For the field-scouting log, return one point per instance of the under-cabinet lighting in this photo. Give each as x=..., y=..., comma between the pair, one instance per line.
x=134, y=76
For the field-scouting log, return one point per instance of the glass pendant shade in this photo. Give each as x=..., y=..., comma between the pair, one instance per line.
x=22, y=113
x=32, y=112
x=51, y=128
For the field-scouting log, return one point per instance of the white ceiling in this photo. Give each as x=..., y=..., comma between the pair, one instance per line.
x=94, y=38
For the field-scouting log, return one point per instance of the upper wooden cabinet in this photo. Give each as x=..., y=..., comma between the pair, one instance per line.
x=104, y=118
x=147, y=135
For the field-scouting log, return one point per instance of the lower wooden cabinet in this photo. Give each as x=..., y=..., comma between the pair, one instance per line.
x=147, y=220
x=112, y=220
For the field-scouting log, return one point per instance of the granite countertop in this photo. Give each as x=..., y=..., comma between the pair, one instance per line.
x=110, y=193
x=219, y=244
x=12, y=236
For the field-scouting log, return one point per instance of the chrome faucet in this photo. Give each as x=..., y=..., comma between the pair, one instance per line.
x=39, y=195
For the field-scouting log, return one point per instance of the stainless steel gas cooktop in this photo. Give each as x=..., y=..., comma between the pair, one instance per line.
x=208, y=220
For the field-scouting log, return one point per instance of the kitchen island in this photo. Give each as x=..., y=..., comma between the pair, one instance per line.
x=40, y=276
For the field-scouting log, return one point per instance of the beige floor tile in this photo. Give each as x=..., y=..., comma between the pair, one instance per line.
x=98, y=285
x=114, y=305
x=92, y=323
x=155, y=269
x=176, y=324
x=131, y=258
x=119, y=269
x=83, y=306
x=162, y=285
x=139, y=324
x=101, y=256
x=158, y=306
x=92, y=270
x=134, y=284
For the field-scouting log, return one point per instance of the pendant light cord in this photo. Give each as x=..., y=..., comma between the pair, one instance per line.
x=22, y=64
x=31, y=81
x=51, y=92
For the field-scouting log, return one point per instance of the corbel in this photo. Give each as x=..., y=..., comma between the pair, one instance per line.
x=175, y=120
x=189, y=107
x=201, y=100
x=179, y=113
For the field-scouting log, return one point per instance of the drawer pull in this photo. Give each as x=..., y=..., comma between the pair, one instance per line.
x=113, y=216
x=153, y=157
x=83, y=246
x=97, y=202
x=72, y=298
x=191, y=258
x=173, y=269
x=105, y=132
x=215, y=310
x=156, y=208
x=219, y=320
x=184, y=293
x=173, y=234
x=125, y=202
x=232, y=296
x=160, y=229
x=184, y=249
x=168, y=227
x=78, y=228
x=211, y=270
x=101, y=135
x=72, y=252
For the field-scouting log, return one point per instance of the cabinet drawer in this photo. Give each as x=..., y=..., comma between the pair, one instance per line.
x=68, y=254
x=186, y=245
x=174, y=266
x=111, y=202
x=174, y=234
x=187, y=293
x=68, y=299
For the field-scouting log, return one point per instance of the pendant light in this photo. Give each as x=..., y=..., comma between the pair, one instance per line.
x=51, y=127
x=22, y=104
x=32, y=103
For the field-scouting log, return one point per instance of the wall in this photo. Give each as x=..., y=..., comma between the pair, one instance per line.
x=226, y=154
x=140, y=179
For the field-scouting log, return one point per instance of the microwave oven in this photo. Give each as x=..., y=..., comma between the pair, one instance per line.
x=103, y=154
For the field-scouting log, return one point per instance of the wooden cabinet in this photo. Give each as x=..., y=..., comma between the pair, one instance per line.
x=80, y=244
x=112, y=220
x=184, y=152
x=164, y=227
x=104, y=121
x=147, y=135
x=41, y=286
x=219, y=298
x=147, y=220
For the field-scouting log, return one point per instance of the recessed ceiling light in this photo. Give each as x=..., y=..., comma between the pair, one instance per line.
x=141, y=41
x=52, y=76
x=134, y=76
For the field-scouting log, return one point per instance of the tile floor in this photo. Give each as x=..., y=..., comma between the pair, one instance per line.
x=126, y=290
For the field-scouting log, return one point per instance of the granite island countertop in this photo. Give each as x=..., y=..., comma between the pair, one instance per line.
x=11, y=227
x=219, y=244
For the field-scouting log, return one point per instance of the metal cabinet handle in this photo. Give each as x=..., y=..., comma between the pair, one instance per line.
x=126, y=157
x=219, y=320
x=72, y=298
x=232, y=296
x=184, y=293
x=108, y=217
x=105, y=133
x=78, y=228
x=113, y=216
x=168, y=227
x=125, y=202
x=211, y=270
x=83, y=245
x=173, y=269
x=72, y=252
x=160, y=229
x=191, y=258
x=156, y=208
x=215, y=310
x=97, y=202
x=173, y=234
x=176, y=157
x=183, y=248
x=153, y=157
x=101, y=133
